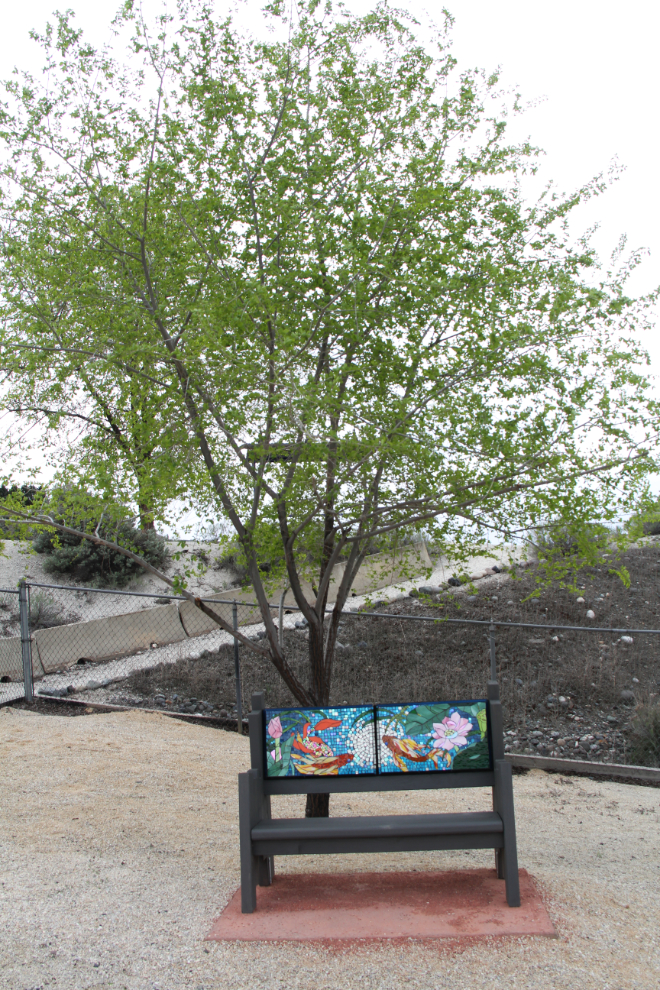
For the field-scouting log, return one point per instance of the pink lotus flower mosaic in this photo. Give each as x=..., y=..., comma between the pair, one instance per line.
x=452, y=732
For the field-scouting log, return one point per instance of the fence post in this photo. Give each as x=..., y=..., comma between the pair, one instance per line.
x=237, y=671
x=493, y=660
x=26, y=645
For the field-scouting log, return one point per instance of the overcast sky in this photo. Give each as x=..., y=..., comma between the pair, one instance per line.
x=592, y=65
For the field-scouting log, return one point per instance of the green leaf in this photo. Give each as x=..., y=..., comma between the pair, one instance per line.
x=280, y=768
x=473, y=757
x=421, y=719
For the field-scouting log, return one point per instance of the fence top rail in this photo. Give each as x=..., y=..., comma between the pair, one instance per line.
x=496, y=623
x=9, y=591
x=500, y=622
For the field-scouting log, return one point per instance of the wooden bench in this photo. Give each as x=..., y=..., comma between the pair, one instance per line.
x=264, y=837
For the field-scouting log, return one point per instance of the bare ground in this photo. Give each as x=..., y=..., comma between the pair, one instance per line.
x=119, y=844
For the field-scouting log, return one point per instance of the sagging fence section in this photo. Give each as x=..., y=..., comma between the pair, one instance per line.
x=147, y=650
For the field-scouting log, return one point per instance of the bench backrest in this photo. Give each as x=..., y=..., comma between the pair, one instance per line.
x=379, y=781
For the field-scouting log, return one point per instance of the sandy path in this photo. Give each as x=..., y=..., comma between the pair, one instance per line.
x=119, y=846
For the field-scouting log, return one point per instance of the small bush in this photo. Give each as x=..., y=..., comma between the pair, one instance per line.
x=45, y=612
x=99, y=566
x=645, y=738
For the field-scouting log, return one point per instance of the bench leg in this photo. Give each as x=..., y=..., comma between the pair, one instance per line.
x=507, y=860
x=266, y=870
x=249, y=862
x=499, y=863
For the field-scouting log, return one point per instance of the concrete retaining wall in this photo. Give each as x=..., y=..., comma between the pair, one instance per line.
x=102, y=639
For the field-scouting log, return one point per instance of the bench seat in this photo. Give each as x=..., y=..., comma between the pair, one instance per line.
x=385, y=833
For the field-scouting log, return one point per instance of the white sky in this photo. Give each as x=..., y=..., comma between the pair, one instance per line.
x=593, y=63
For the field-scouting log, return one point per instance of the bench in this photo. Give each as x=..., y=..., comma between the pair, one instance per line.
x=263, y=837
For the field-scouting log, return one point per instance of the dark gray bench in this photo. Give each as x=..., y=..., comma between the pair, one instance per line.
x=264, y=837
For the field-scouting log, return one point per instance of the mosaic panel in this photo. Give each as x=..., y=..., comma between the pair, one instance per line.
x=447, y=735
x=320, y=741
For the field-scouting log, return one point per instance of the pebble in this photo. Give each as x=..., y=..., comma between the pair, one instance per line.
x=429, y=589
x=580, y=601
x=627, y=639
x=362, y=645
x=635, y=680
x=454, y=582
x=591, y=614
x=627, y=696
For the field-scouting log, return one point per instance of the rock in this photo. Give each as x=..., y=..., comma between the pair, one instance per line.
x=520, y=682
x=627, y=696
x=511, y=602
x=496, y=570
x=362, y=645
x=473, y=598
x=223, y=713
x=536, y=734
x=635, y=680
x=454, y=582
x=413, y=593
x=341, y=646
x=563, y=700
x=494, y=598
x=554, y=639
x=429, y=589
x=92, y=685
x=419, y=653
x=612, y=720
x=54, y=692
x=301, y=623
x=580, y=601
x=591, y=614
x=627, y=640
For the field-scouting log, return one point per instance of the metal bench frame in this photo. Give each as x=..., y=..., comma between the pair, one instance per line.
x=264, y=837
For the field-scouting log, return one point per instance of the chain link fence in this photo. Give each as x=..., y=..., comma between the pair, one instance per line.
x=161, y=651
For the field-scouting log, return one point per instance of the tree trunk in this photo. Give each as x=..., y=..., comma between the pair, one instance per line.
x=146, y=518
x=318, y=806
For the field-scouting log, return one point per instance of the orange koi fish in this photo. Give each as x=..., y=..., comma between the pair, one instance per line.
x=323, y=766
x=410, y=750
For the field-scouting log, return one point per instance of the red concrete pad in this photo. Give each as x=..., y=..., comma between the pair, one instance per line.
x=350, y=906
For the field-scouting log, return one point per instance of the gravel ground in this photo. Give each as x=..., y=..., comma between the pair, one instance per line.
x=119, y=843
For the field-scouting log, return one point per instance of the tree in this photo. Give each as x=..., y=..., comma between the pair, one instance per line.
x=317, y=246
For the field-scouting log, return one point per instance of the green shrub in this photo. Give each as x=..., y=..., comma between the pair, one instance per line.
x=644, y=748
x=99, y=566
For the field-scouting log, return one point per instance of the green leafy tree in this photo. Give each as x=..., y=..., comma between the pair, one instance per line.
x=317, y=246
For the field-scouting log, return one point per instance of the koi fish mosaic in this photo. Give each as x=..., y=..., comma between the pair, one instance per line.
x=442, y=736
x=315, y=742
x=372, y=739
